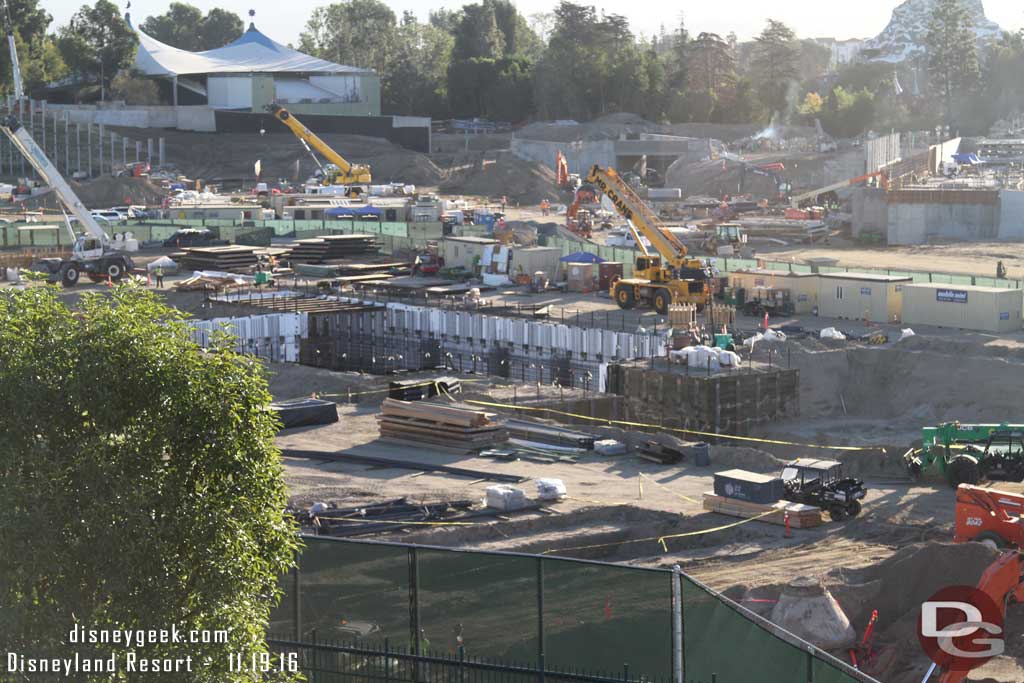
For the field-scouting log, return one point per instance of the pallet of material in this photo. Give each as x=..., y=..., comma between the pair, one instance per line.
x=419, y=389
x=462, y=429
x=231, y=258
x=319, y=249
x=204, y=282
x=800, y=516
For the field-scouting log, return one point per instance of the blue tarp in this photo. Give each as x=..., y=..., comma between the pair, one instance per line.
x=582, y=257
x=352, y=211
x=969, y=159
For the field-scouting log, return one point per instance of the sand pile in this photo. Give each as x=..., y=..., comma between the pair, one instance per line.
x=716, y=178
x=521, y=181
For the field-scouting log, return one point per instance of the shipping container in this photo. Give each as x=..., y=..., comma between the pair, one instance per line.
x=861, y=296
x=987, y=309
x=749, y=486
x=463, y=252
x=607, y=272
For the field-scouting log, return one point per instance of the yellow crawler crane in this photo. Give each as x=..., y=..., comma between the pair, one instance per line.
x=337, y=170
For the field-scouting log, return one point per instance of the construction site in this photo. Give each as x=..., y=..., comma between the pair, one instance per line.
x=605, y=401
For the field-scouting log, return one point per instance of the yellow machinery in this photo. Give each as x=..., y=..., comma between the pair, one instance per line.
x=338, y=171
x=670, y=277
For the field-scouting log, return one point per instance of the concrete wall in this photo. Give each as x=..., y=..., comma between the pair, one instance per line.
x=920, y=223
x=196, y=118
x=579, y=156
x=870, y=212
x=1011, y=215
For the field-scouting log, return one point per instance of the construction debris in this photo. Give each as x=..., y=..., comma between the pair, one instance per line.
x=547, y=434
x=376, y=518
x=417, y=390
x=458, y=429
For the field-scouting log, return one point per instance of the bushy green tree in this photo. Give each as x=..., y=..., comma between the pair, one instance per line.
x=97, y=42
x=29, y=22
x=140, y=483
x=952, y=54
x=418, y=75
x=774, y=65
x=359, y=33
x=184, y=26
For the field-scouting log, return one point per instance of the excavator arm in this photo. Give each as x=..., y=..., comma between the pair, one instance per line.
x=633, y=209
x=348, y=173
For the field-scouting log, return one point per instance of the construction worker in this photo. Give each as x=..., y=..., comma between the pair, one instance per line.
x=545, y=207
x=159, y=272
x=504, y=201
x=1000, y=271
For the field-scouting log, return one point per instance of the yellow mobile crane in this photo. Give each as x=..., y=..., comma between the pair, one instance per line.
x=671, y=277
x=338, y=171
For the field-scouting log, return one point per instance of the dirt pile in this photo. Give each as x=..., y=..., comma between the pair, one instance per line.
x=716, y=178
x=232, y=155
x=610, y=127
x=521, y=181
x=104, y=192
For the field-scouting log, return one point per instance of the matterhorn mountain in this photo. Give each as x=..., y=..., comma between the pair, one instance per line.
x=905, y=35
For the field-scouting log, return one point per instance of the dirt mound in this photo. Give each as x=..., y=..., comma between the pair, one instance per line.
x=745, y=458
x=610, y=127
x=105, y=192
x=232, y=155
x=718, y=177
x=521, y=181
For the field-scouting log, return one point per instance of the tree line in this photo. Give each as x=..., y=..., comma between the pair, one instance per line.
x=488, y=60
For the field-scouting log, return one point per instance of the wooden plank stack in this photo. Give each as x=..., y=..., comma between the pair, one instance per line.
x=800, y=516
x=461, y=430
x=319, y=249
x=232, y=258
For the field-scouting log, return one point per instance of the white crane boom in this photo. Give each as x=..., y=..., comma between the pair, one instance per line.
x=20, y=138
x=19, y=93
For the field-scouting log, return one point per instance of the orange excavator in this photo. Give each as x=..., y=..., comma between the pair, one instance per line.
x=563, y=179
x=578, y=219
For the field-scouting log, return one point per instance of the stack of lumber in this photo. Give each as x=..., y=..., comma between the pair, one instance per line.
x=318, y=249
x=800, y=516
x=353, y=272
x=232, y=258
x=461, y=430
x=549, y=434
x=659, y=453
x=204, y=283
x=419, y=389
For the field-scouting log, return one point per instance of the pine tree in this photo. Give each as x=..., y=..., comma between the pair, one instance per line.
x=952, y=53
x=774, y=64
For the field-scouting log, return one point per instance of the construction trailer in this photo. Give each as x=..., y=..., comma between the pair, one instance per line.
x=464, y=252
x=860, y=296
x=803, y=287
x=986, y=309
x=529, y=260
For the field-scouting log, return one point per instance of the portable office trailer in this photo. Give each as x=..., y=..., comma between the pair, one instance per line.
x=988, y=309
x=859, y=296
x=803, y=287
x=463, y=252
x=529, y=260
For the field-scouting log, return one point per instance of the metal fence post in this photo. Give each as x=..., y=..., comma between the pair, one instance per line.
x=297, y=592
x=541, y=665
x=414, y=607
x=677, y=624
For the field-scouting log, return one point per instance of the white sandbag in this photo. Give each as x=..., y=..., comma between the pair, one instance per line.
x=317, y=508
x=504, y=498
x=550, y=489
x=832, y=333
x=905, y=333
x=750, y=341
x=13, y=275
x=729, y=359
x=679, y=356
x=771, y=335
x=609, y=447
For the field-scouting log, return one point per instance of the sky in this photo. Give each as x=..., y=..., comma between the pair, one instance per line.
x=809, y=18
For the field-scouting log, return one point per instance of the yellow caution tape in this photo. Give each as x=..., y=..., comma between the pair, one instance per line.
x=661, y=539
x=398, y=521
x=386, y=389
x=626, y=423
x=674, y=493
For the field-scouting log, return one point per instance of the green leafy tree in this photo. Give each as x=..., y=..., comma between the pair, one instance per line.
x=183, y=26
x=813, y=60
x=360, y=33
x=42, y=63
x=492, y=88
x=150, y=466
x=134, y=88
x=29, y=22
x=417, y=77
x=1002, y=77
x=677, y=73
x=477, y=35
x=952, y=53
x=97, y=42
x=711, y=70
x=774, y=65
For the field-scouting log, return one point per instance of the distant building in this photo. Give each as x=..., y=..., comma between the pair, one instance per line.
x=253, y=71
x=843, y=51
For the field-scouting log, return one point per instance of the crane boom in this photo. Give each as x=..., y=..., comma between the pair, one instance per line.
x=882, y=175
x=347, y=173
x=24, y=143
x=633, y=209
x=19, y=93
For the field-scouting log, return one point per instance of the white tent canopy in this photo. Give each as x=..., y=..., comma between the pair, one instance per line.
x=250, y=53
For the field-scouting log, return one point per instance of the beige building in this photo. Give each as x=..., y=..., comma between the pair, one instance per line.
x=988, y=309
x=463, y=252
x=860, y=296
x=802, y=287
x=529, y=260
